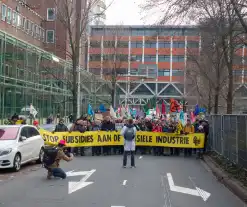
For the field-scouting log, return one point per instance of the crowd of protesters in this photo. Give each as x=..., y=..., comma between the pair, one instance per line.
x=161, y=124
x=141, y=124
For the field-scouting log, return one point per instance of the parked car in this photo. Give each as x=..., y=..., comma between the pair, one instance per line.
x=20, y=144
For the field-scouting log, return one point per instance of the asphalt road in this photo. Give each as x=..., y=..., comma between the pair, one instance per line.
x=145, y=186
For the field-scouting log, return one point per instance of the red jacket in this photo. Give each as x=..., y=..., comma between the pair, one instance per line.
x=157, y=129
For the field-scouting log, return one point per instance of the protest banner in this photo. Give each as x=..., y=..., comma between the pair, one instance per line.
x=113, y=138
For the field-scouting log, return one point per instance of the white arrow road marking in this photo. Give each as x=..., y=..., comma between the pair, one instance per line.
x=140, y=157
x=117, y=206
x=74, y=186
x=124, y=182
x=195, y=192
x=72, y=173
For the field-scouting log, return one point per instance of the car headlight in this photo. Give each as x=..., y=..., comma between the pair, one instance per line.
x=5, y=151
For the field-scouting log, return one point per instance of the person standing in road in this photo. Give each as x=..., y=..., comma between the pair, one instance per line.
x=129, y=134
x=188, y=129
x=61, y=127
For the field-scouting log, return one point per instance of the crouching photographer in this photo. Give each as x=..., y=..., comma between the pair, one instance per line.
x=52, y=158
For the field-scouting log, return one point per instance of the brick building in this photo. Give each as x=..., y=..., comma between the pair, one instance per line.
x=167, y=47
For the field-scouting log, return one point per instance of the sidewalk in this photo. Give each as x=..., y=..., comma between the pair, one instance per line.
x=227, y=179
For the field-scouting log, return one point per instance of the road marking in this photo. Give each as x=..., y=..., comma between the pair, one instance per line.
x=74, y=186
x=195, y=192
x=124, y=182
x=140, y=157
x=72, y=173
x=117, y=206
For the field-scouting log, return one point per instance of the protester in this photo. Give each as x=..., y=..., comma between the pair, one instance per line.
x=61, y=127
x=107, y=125
x=96, y=127
x=188, y=129
x=129, y=133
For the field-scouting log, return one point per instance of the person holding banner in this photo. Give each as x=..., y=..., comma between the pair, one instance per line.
x=129, y=134
x=188, y=129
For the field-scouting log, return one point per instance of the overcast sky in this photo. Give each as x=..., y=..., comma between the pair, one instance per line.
x=124, y=12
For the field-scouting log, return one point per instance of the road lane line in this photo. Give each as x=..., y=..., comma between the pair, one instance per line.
x=124, y=182
x=140, y=157
x=117, y=206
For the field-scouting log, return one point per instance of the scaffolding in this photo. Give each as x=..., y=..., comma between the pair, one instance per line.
x=29, y=75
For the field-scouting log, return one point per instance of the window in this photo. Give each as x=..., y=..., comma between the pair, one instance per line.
x=50, y=36
x=133, y=71
x=193, y=44
x=7, y=71
x=177, y=72
x=164, y=44
x=150, y=44
x=150, y=58
x=51, y=15
x=164, y=58
x=14, y=18
x=40, y=33
x=4, y=12
x=191, y=32
x=95, y=71
x=34, y=30
x=165, y=72
x=23, y=23
x=136, y=44
x=137, y=32
x=95, y=44
x=95, y=57
x=109, y=44
x=32, y=132
x=37, y=33
x=178, y=58
x=136, y=58
x=178, y=44
x=30, y=28
x=43, y=35
x=123, y=44
x=19, y=20
x=27, y=26
x=9, y=15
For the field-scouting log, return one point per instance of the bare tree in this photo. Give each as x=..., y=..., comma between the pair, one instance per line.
x=222, y=17
x=75, y=17
x=240, y=7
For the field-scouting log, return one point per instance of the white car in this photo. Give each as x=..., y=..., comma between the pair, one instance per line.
x=20, y=144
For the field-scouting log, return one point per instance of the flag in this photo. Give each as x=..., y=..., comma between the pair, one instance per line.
x=157, y=110
x=90, y=110
x=151, y=104
x=33, y=111
x=112, y=112
x=102, y=108
x=163, y=108
x=197, y=110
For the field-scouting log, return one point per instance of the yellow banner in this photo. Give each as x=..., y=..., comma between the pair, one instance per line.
x=102, y=138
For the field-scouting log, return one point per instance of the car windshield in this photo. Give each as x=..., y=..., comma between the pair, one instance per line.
x=8, y=133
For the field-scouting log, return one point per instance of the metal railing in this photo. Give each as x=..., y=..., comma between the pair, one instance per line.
x=228, y=137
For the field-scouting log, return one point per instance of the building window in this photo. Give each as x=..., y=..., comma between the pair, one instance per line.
x=178, y=44
x=30, y=28
x=50, y=36
x=123, y=44
x=177, y=72
x=23, y=24
x=9, y=15
x=164, y=44
x=27, y=25
x=136, y=58
x=14, y=18
x=164, y=58
x=136, y=44
x=95, y=57
x=51, y=15
x=37, y=33
x=95, y=44
x=150, y=44
x=34, y=30
x=150, y=58
x=178, y=58
x=19, y=19
x=193, y=44
x=4, y=12
x=165, y=72
x=43, y=35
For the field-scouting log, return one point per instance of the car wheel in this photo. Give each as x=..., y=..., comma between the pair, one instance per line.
x=17, y=162
x=41, y=155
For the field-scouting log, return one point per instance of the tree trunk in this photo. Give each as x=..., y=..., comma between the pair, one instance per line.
x=74, y=91
x=113, y=94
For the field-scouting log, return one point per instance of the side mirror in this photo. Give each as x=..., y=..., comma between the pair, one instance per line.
x=23, y=138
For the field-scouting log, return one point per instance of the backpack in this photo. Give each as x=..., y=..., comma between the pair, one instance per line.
x=129, y=133
x=50, y=154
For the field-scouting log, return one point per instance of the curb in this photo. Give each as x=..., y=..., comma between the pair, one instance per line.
x=231, y=183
